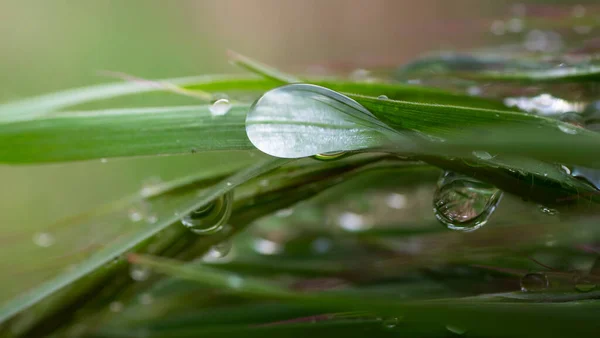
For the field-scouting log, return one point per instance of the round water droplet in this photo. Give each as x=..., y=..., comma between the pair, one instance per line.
x=482, y=155
x=565, y=169
x=116, y=306
x=548, y=211
x=135, y=215
x=220, y=107
x=390, y=323
x=352, y=222
x=217, y=252
x=301, y=120
x=43, y=239
x=585, y=287
x=463, y=203
x=395, y=201
x=534, y=281
x=211, y=217
x=382, y=97
x=139, y=273
x=330, y=156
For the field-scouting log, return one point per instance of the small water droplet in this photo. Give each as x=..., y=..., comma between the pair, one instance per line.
x=330, y=156
x=210, y=218
x=548, y=211
x=152, y=219
x=534, y=281
x=283, y=213
x=220, y=107
x=217, y=252
x=43, y=239
x=382, y=97
x=482, y=155
x=568, y=129
x=235, y=281
x=474, y=91
x=135, y=215
x=390, y=323
x=395, y=201
x=103, y=160
x=267, y=247
x=264, y=183
x=463, y=203
x=585, y=287
x=116, y=306
x=139, y=273
x=321, y=245
x=229, y=184
x=498, y=27
x=146, y=299
x=352, y=222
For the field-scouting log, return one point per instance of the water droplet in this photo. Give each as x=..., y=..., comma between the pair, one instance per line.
x=264, y=183
x=360, y=75
x=382, y=97
x=390, y=323
x=229, y=184
x=146, y=299
x=43, y=239
x=301, y=120
x=352, y=222
x=548, y=211
x=330, y=156
x=135, y=215
x=534, y=281
x=543, y=41
x=463, y=203
x=116, y=306
x=267, y=247
x=584, y=287
x=103, y=160
x=395, y=201
x=543, y=104
x=474, y=91
x=150, y=186
x=565, y=169
x=456, y=330
x=139, y=273
x=482, y=155
x=498, y=27
x=235, y=281
x=211, y=217
x=152, y=219
x=568, y=129
x=283, y=213
x=217, y=252
x=220, y=107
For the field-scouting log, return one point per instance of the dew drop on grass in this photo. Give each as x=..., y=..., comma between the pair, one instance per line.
x=220, y=107
x=534, y=281
x=210, y=218
x=266, y=246
x=217, y=252
x=482, y=155
x=567, y=129
x=139, y=273
x=395, y=201
x=353, y=222
x=463, y=203
x=382, y=97
x=135, y=215
x=43, y=239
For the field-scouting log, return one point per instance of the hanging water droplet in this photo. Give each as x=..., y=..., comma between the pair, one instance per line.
x=116, y=306
x=585, y=287
x=139, y=273
x=395, y=201
x=463, y=203
x=267, y=247
x=211, y=217
x=220, y=107
x=43, y=239
x=330, y=156
x=548, y=211
x=534, y=281
x=352, y=222
x=301, y=120
x=217, y=252
x=382, y=97
x=482, y=155
x=390, y=323
x=568, y=129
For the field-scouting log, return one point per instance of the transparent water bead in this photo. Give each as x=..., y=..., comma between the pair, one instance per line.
x=220, y=107
x=211, y=217
x=482, y=155
x=217, y=252
x=353, y=222
x=534, y=281
x=139, y=273
x=463, y=203
x=266, y=246
x=301, y=120
x=382, y=97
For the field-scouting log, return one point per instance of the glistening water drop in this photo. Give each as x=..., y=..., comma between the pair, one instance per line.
x=211, y=217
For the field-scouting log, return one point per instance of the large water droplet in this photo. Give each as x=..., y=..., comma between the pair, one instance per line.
x=463, y=203
x=300, y=120
x=534, y=281
x=220, y=107
x=211, y=217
